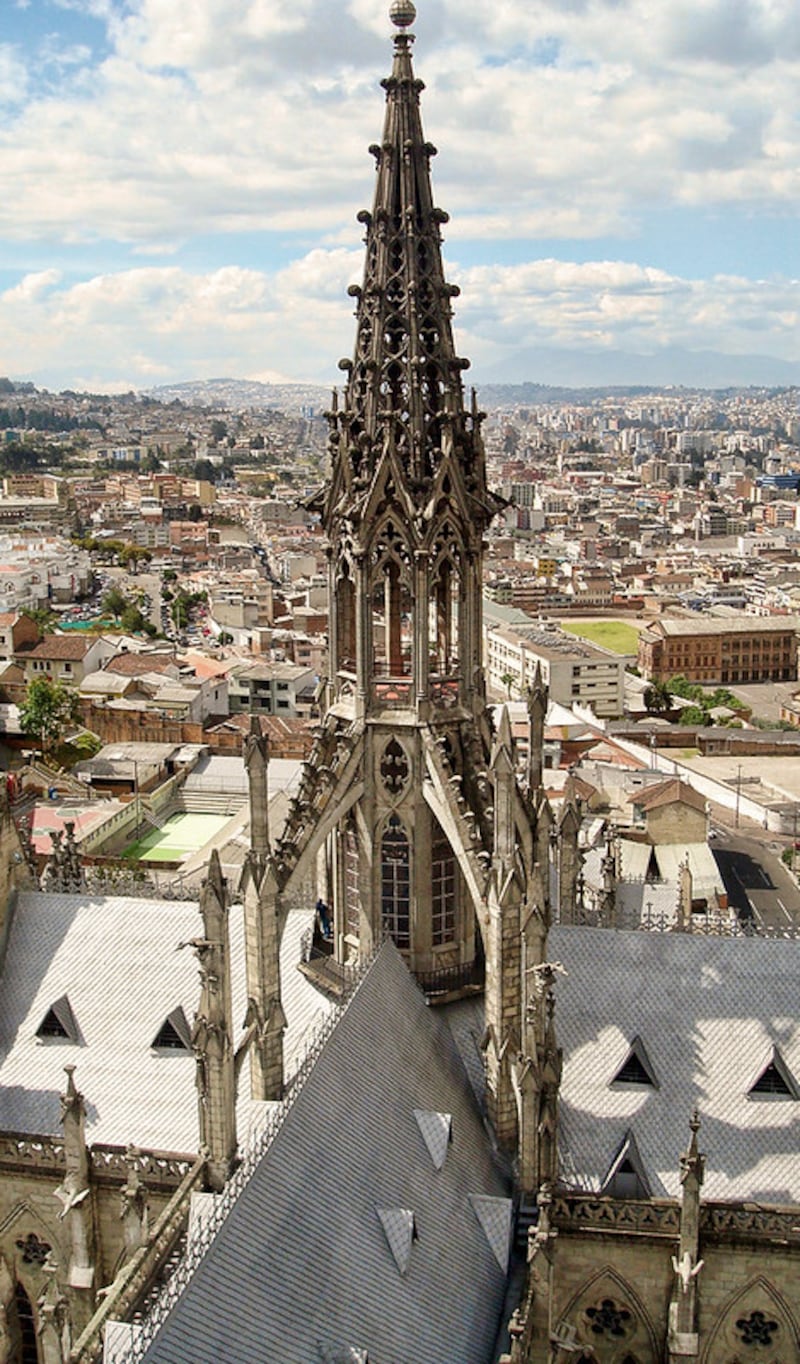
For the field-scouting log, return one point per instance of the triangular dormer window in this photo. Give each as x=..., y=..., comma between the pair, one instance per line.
x=59, y=1023
x=174, y=1033
x=637, y=1068
x=400, y=1228
x=775, y=1080
x=626, y=1177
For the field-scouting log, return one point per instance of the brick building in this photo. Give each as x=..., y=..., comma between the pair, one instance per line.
x=722, y=650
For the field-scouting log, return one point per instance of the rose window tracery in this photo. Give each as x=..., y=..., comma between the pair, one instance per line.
x=757, y=1329
x=608, y=1319
x=32, y=1250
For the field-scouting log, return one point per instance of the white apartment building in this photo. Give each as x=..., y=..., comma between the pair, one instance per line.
x=38, y=570
x=575, y=672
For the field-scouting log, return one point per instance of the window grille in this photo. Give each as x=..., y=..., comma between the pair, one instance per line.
x=396, y=883
x=443, y=895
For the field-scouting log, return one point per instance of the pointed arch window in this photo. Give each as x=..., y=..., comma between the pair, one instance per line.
x=346, y=621
x=28, y=1348
x=445, y=604
x=59, y=1023
x=396, y=883
x=636, y=1069
x=626, y=1177
x=775, y=1080
x=392, y=623
x=174, y=1033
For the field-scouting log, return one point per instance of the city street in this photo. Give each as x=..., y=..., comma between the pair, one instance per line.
x=758, y=884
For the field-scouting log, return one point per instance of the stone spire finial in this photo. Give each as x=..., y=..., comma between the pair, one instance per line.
x=256, y=762
x=213, y=1029
x=74, y=1195
x=537, y=713
x=682, y=1338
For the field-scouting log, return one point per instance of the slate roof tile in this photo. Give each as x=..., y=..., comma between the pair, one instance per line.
x=711, y=1009
x=301, y=1260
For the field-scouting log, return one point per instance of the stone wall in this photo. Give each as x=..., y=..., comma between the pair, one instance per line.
x=613, y=1279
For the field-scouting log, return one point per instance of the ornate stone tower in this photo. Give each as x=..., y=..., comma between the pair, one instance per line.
x=405, y=829
x=412, y=818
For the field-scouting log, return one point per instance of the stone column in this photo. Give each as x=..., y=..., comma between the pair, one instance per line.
x=134, y=1212
x=256, y=762
x=265, y=1011
x=503, y=968
x=537, y=712
x=569, y=857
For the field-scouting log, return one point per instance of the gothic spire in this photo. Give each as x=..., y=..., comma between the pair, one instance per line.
x=404, y=384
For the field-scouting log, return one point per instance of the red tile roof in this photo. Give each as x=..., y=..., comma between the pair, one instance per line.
x=58, y=647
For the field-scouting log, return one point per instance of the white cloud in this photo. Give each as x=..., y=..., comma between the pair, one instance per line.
x=614, y=304
x=13, y=76
x=559, y=119
x=126, y=328
x=232, y=115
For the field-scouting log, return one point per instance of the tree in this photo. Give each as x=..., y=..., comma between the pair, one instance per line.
x=48, y=712
x=41, y=617
x=508, y=680
x=657, y=698
x=132, y=619
x=694, y=715
x=205, y=471
x=114, y=602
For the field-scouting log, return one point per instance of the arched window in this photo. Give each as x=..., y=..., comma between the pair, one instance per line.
x=346, y=622
x=443, y=890
x=27, y=1351
x=444, y=606
x=392, y=623
x=396, y=883
x=392, y=605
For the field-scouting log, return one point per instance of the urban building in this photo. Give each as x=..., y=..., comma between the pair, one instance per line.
x=720, y=650
x=573, y=671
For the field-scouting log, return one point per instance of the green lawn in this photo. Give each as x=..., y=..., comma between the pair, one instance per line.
x=617, y=635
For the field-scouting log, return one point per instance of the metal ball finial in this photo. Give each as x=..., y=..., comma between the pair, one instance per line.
x=402, y=13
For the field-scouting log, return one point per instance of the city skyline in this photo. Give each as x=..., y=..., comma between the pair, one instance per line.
x=179, y=187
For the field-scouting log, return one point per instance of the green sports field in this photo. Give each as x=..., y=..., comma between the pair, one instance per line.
x=616, y=635
x=181, y=835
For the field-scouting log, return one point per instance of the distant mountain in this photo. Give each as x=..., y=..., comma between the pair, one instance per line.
x=673, y=366
x=236, y=395
x=530, y=395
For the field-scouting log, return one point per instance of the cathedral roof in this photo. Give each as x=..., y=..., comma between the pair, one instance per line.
x=114, y=959
x=375, y=1221
x=710, y=1011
